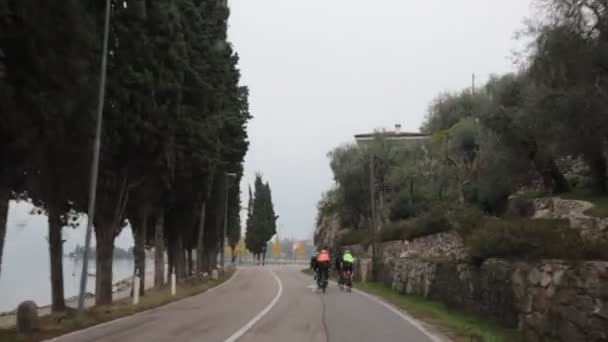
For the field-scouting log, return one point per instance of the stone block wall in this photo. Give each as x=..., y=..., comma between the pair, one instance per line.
x=442, y=245
x=574, y=211
x=547, y=300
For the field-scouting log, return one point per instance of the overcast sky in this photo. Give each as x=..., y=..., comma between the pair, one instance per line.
x=320, y=71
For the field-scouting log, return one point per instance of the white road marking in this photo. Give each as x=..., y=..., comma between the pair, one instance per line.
x=243, y=330
x=411, y=320
x=403, y=315
x=77, y=332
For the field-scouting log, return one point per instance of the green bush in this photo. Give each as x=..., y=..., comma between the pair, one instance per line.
x=356, y=237
x=596, y=249
x=466, y=220
x=402, y=207
x=520, y=238
x=394, y=231
x=580, y=182
x=520, y=207
x=433, y=222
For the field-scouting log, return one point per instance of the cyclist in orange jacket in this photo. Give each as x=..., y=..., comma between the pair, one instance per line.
x=323, y=261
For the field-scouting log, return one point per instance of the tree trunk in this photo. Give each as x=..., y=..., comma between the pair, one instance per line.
x=56, y=257
x=159, y=251
x=560, y=184
x=171, y=257
x=233, y=254
x=200, y=243
x=597, y=167
x=3, y=215
x=180, y=258
x=103, y=262
x=411, y=191
x=190, y=263
x=212, y=258
x=140, y=250
x=553, y=180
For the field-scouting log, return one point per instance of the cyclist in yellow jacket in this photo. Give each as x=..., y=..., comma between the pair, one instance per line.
x=347, y=268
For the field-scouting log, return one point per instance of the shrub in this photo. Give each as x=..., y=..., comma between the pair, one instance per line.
x=521, y=207
x=531, y=239
x=432, y=222
x=403, y=207
x=466, y=220
x=595, y=249
x=394, y=231
x=356, y=237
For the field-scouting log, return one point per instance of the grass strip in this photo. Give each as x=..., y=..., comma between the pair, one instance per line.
x=457, y=325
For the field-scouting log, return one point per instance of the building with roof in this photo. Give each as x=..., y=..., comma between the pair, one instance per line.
x=397, y=135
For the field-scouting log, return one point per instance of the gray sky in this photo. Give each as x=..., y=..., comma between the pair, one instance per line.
x=320, y=71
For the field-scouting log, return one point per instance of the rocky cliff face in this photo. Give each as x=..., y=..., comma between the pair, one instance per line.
x=327, y=231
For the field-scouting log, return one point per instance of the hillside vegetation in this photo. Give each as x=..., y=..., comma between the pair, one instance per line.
x=541, y=129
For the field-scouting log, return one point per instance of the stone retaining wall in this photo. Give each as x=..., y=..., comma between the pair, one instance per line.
x=442, y=245
x=574, y=211
x=547, y=300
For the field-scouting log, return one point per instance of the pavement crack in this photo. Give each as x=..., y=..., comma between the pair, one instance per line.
x=324, y=320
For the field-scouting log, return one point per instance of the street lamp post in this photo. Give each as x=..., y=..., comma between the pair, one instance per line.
x=95, y=162
x=224, y=238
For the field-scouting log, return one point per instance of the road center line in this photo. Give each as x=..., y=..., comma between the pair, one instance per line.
x=243, y=330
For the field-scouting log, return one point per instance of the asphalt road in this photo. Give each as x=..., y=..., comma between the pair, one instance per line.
x=260, y=304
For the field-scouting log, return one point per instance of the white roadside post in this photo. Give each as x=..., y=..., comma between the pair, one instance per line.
x=136, y=290
x=173, y=283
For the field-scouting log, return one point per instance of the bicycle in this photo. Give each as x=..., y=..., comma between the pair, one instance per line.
x=322, y=280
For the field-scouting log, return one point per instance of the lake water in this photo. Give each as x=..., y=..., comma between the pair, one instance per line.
x=32, y=282
x=26, y=266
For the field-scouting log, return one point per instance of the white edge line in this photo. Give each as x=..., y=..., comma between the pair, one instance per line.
x=58, y=338
x=242, y=331
x=414, y=322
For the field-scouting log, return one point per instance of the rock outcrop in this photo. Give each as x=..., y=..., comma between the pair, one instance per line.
x=327, y=231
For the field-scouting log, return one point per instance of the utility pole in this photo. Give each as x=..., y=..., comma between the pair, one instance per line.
x=372, y=187
x=473, y=85
x=95, y=162
x=223, y=248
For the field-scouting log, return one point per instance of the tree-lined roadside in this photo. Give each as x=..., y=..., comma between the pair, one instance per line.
x=174, y=124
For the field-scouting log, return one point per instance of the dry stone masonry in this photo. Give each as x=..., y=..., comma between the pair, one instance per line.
x=574, y=211
x=549, y=300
